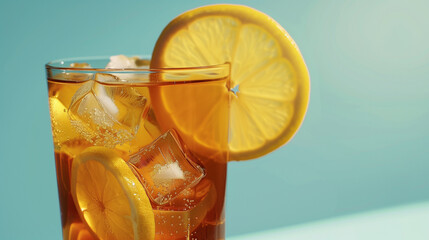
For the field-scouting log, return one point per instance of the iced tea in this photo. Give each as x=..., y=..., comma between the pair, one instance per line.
x=155, y=122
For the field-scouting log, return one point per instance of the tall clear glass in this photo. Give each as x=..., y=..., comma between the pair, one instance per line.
x=170, y=127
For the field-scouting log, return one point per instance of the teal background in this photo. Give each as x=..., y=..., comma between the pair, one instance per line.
x=363, y=145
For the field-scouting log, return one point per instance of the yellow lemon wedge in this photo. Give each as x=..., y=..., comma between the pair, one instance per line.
x=109, y=197
x=268, y=92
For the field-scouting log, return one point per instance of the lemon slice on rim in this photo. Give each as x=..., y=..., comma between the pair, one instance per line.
x=109, y=197
x=269, y=83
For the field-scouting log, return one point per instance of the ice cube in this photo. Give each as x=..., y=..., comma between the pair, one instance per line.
x=151, y=124
x=122, y=61
x=188, y=198
x=164, y=169
x=107, y=115
x=185, y=212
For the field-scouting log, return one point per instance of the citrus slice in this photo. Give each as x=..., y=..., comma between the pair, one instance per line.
x=62, y=129
x=109, y=197
x=269, y=83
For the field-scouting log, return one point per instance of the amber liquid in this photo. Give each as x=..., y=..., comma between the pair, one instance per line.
x=204, y=218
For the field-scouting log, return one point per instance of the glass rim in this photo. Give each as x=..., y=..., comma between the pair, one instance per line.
x=51, y=66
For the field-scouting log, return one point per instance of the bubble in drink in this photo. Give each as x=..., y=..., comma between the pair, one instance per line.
x=164, y=169
x=107, y=115
x=184, y=213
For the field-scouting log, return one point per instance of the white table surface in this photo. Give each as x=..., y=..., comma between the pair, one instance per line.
x=409, y=222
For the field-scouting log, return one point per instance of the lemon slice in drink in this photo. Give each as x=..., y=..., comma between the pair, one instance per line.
x=269, y=86
x=109, y=197
x=62, y=129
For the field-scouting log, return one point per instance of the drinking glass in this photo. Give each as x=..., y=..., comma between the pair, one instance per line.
x=170, y=127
